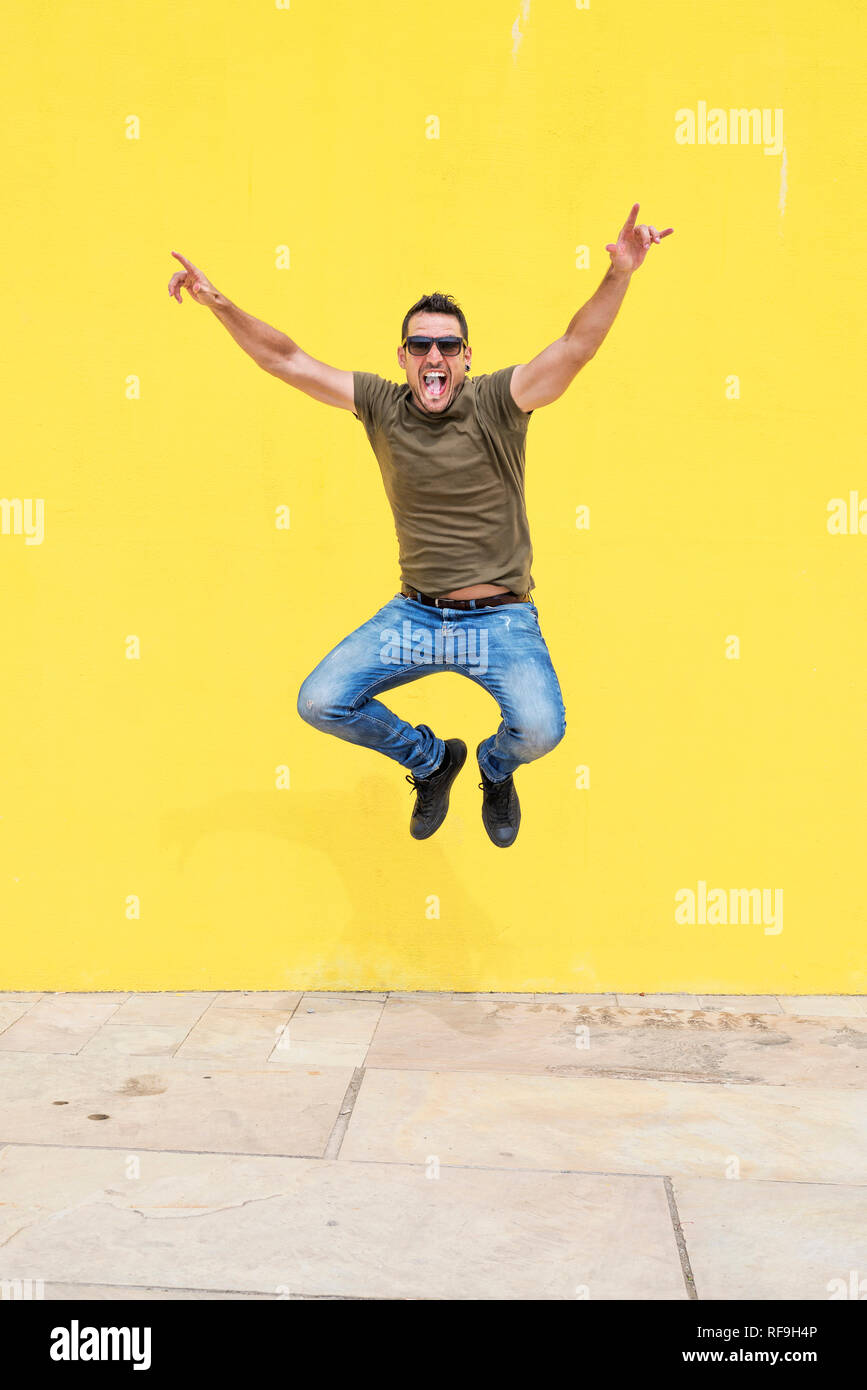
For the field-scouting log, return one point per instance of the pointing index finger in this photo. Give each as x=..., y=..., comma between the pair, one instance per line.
x=629, y=224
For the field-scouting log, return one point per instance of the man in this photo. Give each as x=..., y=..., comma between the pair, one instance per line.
x=451, y=454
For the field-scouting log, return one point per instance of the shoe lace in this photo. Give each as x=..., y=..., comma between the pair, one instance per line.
x=498, y=796
x=422, y=786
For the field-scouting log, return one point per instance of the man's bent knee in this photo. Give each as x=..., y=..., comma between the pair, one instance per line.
x=313, y=706
x=544, y=737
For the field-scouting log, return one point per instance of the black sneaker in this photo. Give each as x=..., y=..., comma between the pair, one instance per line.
x=432, y=799
x=501, y=809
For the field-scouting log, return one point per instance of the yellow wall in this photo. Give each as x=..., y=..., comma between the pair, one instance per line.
x=306, y=127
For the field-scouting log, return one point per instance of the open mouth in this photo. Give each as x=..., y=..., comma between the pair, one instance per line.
x=434, y=383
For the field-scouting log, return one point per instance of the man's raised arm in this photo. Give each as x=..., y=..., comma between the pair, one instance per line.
x=545, y=378
x=271, y=349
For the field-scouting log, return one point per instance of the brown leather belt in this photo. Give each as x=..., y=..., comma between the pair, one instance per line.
x=488, y=601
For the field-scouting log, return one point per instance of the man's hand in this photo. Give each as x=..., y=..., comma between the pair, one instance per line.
x=194, y=281
x=633, y=243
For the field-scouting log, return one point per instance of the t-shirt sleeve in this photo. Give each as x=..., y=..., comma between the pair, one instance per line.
x=496, y=402
x=373, y=396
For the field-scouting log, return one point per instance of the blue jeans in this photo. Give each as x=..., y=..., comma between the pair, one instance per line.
x=501, y=648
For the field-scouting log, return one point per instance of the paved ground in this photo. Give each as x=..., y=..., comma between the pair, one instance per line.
x=433, y=1146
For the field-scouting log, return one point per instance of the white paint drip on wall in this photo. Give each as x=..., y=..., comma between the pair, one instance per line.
x=784, y=182
x=517, y=31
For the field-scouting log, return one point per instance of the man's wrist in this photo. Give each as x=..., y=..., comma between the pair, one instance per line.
x=618, y=276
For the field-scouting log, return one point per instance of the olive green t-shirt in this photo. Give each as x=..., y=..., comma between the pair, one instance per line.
x=455, y=481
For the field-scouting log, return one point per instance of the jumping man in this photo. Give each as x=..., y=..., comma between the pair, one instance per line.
x=451, y=455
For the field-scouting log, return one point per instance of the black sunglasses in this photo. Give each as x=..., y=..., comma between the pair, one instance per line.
x=449, y=347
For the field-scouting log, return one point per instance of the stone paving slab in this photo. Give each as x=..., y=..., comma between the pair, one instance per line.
x=164, y=1008
x=11, y=1011
x=328, y=1228
x=97, y=996
x=56, y=1024
x=154, y=1103
x=576, y=1040
x=770, y=1240
x=591, y=1124
x=425, y=994
x=595, y=999
x=659, y=1001
x=741, y=1003
x=243, y=1035
x=291, y=1051
x=128, y=1293
x=135, y=1040
x=252, y=999
x=824, y=1005
x=358, y=996
x=338, y=1020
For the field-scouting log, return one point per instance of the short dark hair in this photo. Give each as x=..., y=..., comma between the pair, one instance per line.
x=436, y=304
